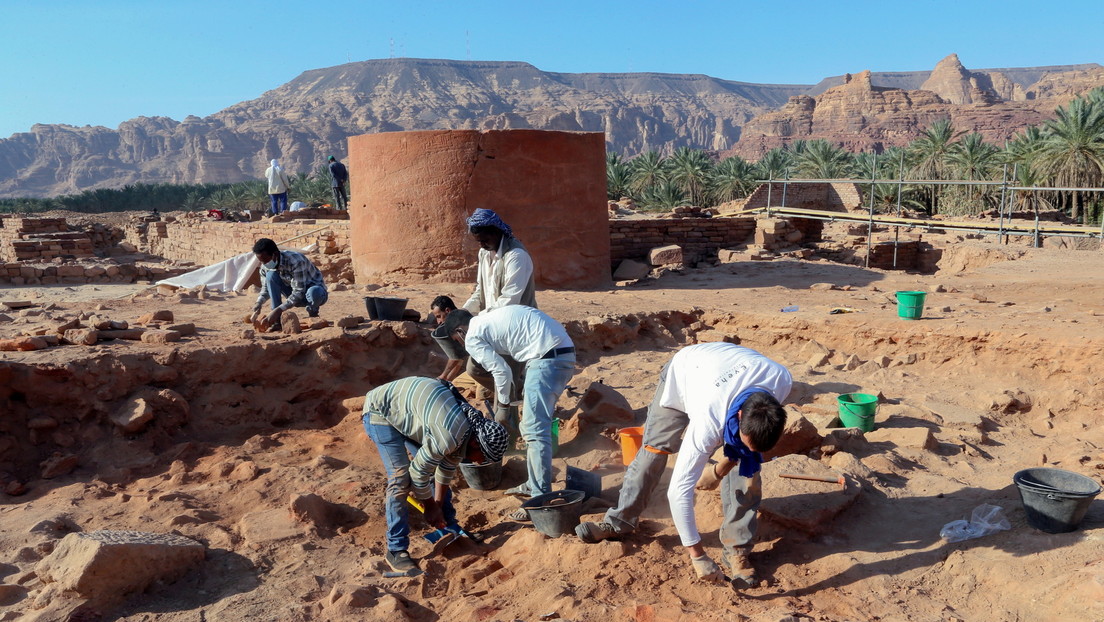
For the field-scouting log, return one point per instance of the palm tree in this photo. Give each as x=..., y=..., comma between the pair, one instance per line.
x=691, y=169
x=775, y=164
x=974, y=159
x=1072, y=152
x=928, y=155
x=732, y=178
x=648, y=169
x=822, y=160
x=665, y=194
x=618, y=177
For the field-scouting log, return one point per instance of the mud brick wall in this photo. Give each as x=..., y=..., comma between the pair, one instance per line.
x=41, y=239
x=78, y=274
x=838, y=197
x=632, y=239
x=207, y=243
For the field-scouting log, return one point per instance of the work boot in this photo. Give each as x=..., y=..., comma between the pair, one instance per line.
x=521, y=490
x=275, y=328
x=596, y=532
x=400, y=561
x=739, y=567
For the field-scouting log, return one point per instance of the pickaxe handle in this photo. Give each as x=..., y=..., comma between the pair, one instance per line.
x=816, y=478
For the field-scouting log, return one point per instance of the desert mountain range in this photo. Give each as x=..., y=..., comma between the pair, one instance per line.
x=311, y=116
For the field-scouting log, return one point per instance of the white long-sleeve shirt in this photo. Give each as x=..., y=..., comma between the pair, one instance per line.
x=520, y=332
x=494, y=293
x=702, y=381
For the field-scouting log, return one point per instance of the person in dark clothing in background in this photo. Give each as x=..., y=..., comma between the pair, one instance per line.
x=339, y=177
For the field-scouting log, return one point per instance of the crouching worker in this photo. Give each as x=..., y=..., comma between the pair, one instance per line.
x=423, y=429
x=709, y=395
x=286, y=273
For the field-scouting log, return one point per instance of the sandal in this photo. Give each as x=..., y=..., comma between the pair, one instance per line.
x=520, y=515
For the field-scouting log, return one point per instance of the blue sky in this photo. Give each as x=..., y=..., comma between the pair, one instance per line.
x=101, y=62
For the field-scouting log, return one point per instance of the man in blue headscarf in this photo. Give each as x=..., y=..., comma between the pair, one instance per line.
x=504, y=277
x=709, y=395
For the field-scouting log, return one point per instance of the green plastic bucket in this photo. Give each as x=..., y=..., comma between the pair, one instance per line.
x=857, y=410
x=555, y=435
x=910, y=305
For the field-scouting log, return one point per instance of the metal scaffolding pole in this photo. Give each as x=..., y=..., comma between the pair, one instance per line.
x=900, y=186
x=785, y=182
x=870, y=224
x=1004, y=190
x=770, y=186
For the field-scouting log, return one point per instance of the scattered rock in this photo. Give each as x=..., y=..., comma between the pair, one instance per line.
x=290, y=323
x=799, y=437
x=350, y=321
x=603, y=404
x=156, y=316
x=58, y=465
x=23, y=344
x=133, y=416
x=160, y=336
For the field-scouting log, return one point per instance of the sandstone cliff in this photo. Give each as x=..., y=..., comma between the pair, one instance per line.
x=861, y=116
x=312, y=116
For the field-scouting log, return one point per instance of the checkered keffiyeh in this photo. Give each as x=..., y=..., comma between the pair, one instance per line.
x=492, y=435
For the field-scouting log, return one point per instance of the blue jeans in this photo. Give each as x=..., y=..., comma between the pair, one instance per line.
x=545, y=380
x=279, y=202
x=395, y=450
x=277, y=289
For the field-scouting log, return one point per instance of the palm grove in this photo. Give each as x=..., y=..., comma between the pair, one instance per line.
x=1065, y=152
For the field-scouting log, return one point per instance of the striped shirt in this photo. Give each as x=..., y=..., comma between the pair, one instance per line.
x=424, y=411
x=297, y=272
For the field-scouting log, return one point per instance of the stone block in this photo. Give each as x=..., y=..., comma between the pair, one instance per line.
x=156, y=316
x=350, y=321
x=160, y=336
x=665, y=255
x=917, y=438
x=81, y=336
x=631, y=270
x=23, y=344
x=104, y=567
x=290, y=323
x=801, y=504
x=184, y=329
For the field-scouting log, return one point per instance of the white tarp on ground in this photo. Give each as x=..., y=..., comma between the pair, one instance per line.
x=225, y=276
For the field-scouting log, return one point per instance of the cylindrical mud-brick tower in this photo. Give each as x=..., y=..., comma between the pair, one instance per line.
x=411, y=192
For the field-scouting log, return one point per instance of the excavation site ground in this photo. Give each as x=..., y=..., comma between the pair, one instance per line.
x=255, y=449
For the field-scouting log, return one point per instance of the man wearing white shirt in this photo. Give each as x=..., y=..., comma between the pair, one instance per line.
x=541, y=344
x=710, y=395
x=504, y=278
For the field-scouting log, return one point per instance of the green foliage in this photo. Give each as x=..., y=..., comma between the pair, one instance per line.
x=820, y=159
x=312, y=189
x=618, y=177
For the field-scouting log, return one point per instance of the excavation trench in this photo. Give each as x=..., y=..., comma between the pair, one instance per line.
x=197, y=395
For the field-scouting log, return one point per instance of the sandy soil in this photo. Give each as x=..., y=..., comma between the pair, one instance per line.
x=1001, y=374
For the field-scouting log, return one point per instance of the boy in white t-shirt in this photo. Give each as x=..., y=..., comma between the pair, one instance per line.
x=709, y=395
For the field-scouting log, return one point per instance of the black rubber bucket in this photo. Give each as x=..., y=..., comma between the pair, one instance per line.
x=485, y=476
x=370, y=306
x=1055, y=500
x=556, y=513
x=590, y=484
x=453, y=350
x=390, y=308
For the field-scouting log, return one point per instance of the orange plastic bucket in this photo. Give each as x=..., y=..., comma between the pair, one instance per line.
x=632, y=439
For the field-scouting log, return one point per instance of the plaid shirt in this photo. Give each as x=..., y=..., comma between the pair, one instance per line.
x=297, y=272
